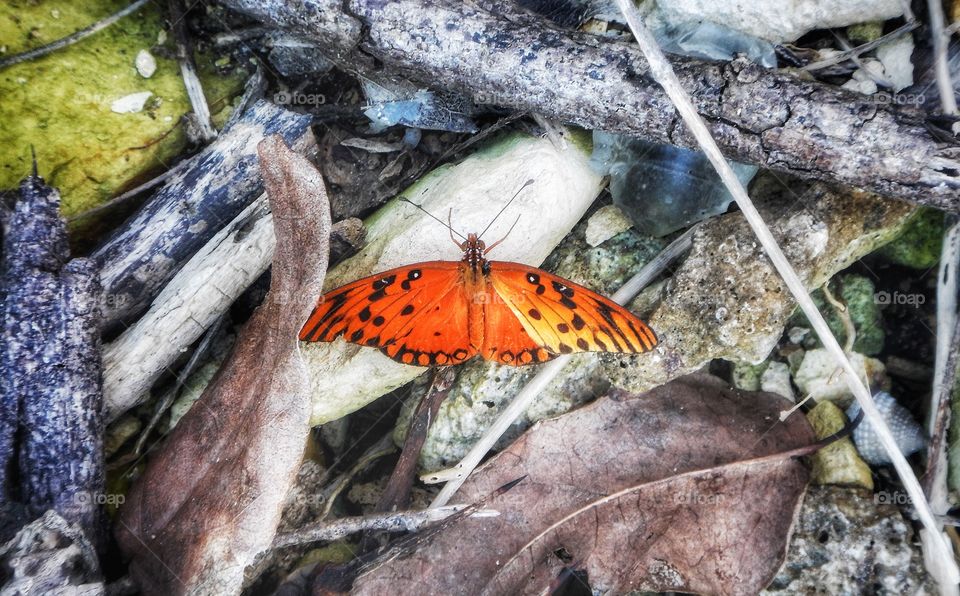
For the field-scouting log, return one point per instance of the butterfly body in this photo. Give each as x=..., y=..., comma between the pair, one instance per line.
x=446, y=312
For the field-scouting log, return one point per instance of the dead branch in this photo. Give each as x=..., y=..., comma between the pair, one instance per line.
x=496, y=54
x=191, y=207
x=50, y=366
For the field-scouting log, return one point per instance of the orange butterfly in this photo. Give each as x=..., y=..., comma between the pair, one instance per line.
x=445, y=312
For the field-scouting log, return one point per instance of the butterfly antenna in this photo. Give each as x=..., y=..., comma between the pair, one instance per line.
x=491, y=247
x=448, y=226
x=525, y=184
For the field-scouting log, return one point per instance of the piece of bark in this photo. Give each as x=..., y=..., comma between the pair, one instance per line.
x=191, y=207
x=50, y=556
x=498, y=54
x=211, y=498
x=50, y=367
x=698, y=514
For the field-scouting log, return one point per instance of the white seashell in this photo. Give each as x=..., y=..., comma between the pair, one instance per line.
x=909, y=435
x=130, y=104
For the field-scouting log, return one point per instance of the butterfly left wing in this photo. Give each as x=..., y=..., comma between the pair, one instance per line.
x=564, y=317
x=415, y=314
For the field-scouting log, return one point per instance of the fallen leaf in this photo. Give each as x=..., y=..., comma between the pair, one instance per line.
x=688, y=487
x=211, y=498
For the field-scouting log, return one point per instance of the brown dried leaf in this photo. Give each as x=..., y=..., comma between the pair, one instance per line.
x=666, y=491
x=211, y=498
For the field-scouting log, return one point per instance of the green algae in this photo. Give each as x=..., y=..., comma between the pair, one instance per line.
x=60, y=104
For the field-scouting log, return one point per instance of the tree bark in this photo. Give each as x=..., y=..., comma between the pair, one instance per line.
x=497, y=54
x=50, y=367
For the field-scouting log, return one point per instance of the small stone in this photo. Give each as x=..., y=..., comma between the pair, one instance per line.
x=865, y=32
x=909, y=435
x=797, y=334
x=837, y=463
x=119, y=433
x=130, y=104
x=895, y=57
x=606, y=223
x=146, y=64
x=746, y=376
x=821, y=377
x=776, y=379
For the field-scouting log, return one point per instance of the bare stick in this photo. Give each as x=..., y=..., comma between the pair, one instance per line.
x=941, y=65
x=945, y=367
x=455, y=476
x=663, y=73
x=72, y=38
x=188, y=69
x=403, y=521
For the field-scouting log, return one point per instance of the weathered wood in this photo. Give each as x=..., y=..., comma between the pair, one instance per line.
x=190, y=208
x=498, y=54
x=50, y=367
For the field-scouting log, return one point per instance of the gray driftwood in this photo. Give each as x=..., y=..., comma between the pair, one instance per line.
x=497, y=54
x=50, y=368
x=190, y=208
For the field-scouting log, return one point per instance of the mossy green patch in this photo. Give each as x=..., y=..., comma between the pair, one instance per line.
x=858, y=294
x=60, y=104
x=919, y=244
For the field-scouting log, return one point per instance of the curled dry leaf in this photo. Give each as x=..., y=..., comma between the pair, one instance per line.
x=211, y=499
x=687, y=487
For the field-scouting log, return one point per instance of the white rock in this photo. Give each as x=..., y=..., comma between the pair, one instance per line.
x=146, y=64
x=797, y=334
x=130, y=104
x=606, y=223
x=776, y=379
x=860, y=85
x=820, y=376
x=779, y=21
x=895, y=57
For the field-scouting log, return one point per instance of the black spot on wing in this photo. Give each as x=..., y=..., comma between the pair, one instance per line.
x=407, y=310
x=364, y=314
x=562, y=289
x=578, y=322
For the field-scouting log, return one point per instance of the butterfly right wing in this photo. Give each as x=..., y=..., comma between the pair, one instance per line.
x=416, y=314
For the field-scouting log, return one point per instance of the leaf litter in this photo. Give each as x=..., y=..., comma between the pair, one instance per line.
x=692, y=486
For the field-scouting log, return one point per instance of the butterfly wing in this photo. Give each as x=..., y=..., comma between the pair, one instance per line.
x=504, y=338
x=415, y=314
x=564, y=317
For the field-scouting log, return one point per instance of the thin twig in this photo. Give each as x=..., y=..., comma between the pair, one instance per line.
x=663, y=73
x=402, y=521
x=455, y=476
x=133, y=192
x=941, y=62
x=188, y=70
x=862, y=49
x=72, y=38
